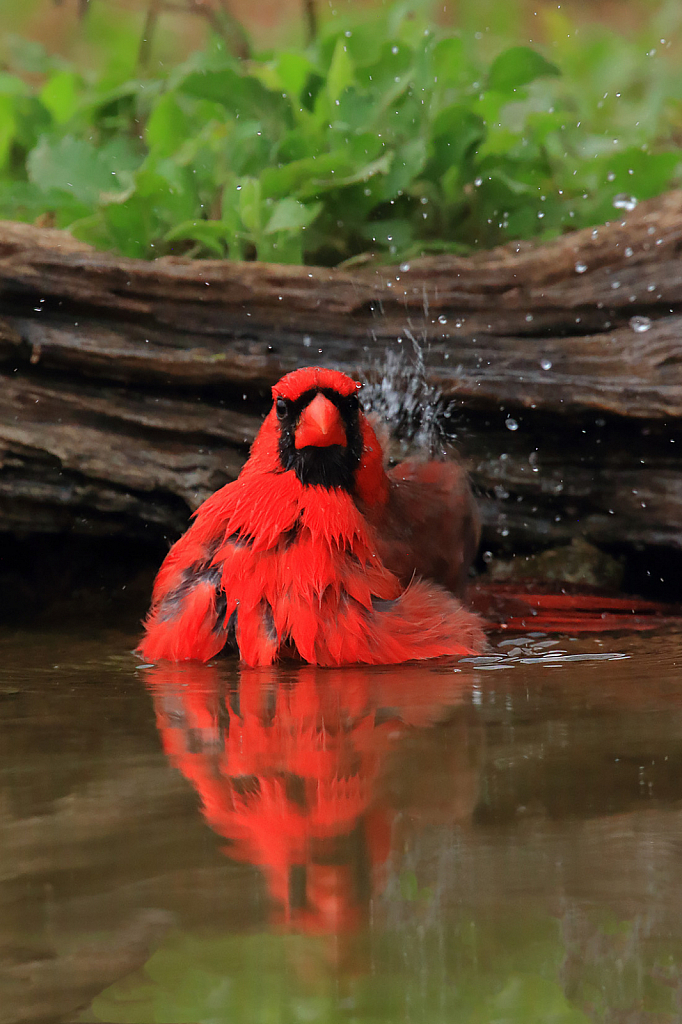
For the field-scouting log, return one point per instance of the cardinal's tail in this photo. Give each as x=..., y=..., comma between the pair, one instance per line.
x=425, y=621
x=519, y=607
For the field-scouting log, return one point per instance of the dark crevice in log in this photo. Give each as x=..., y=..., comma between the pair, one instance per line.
x=81, y=578
x=603, y=478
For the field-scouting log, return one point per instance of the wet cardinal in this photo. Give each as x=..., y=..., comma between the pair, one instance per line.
x=316, y=552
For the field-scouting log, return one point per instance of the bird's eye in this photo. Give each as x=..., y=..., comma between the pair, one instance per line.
x=281, y=408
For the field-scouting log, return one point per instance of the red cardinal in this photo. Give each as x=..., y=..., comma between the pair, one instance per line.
x=291, y=557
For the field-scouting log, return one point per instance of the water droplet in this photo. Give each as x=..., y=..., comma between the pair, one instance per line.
x=540, y=215
x=624, y=201
x=580, y=268
x=615, y=284
x=511, y=423
x=404, y=267
x=640, y=324
x=394, y=49
x=307, y=340
x=442, y=319
x=610, y=176
x=529, y=318
x=546, y=364
x=478, y=182
x=487, y=556
x=628, y=252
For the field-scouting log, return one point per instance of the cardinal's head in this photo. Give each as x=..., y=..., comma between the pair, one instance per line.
x=322, y=433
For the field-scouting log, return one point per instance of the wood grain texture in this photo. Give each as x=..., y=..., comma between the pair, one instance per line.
x=131, y=390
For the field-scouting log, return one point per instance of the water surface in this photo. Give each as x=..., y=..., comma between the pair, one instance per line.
x=496, y=839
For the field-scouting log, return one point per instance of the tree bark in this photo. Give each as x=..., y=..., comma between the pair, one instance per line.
x=131, y=390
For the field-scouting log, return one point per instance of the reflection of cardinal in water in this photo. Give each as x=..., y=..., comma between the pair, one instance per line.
x=288, y=769
x=316, y=552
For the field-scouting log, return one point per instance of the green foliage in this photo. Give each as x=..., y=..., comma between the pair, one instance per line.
x=386, y=136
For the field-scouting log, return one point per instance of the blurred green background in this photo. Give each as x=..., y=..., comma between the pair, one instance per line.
x=326, y=132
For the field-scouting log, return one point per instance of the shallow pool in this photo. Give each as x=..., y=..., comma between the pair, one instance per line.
x=498, y=839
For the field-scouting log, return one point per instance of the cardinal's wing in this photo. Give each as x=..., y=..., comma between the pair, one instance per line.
x=189, y=617
x=430, y=526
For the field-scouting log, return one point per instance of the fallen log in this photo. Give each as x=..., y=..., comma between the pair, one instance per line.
x=131, y=390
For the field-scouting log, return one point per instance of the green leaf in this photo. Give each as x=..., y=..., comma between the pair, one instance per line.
x=79, y=168
x=12, y=85
x=365, y=43
x=293, y=70
x=305, y=178
x=407, y=164
x=379, y=166
x=168, y=127
x=455, y=133
x=282, y=247
x=448, y=61
x=290, y=215
x=395, y=62
x=518, y=66
x=131, y=227
x=22, y=200
x=8, y=127
x=211, y=234
x=29, y=56
x=249, y=204
x=242, y=95
x=391, y=234
x=61, y=95
x=341, y=73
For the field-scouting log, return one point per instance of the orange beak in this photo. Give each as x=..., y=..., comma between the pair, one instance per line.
x=320, y=424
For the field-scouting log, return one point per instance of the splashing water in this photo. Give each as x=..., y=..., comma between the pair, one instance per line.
x=640, y=324
x=624, y=201
x=398, y=392
x=526, y=650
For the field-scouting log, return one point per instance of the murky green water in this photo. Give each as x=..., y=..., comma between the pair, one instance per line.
x=496, y=841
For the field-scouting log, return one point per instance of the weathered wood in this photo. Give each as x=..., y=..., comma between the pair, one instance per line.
x=124, y=382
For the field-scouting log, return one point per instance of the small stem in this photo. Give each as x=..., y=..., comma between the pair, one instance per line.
x=151, y=18
x=310, y=16
x=226, y=25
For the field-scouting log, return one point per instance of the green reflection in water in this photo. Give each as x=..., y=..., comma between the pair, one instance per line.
x=509, y=971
